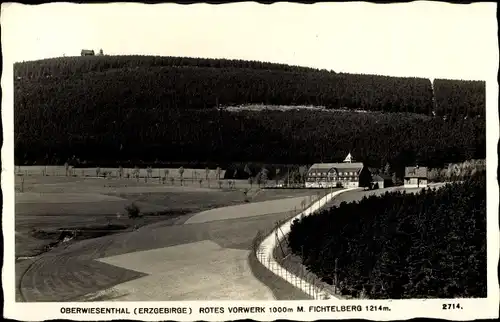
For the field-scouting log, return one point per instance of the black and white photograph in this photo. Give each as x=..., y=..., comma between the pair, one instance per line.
x=285, y=160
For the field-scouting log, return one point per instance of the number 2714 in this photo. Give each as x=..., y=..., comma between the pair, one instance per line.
x=451, y=306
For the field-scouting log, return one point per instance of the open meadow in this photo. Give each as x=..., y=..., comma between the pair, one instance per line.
x=51, y=209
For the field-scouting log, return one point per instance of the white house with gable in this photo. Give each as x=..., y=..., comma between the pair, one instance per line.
x=345, y=174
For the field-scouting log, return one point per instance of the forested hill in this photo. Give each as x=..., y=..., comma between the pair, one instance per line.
x=116, y=108
x=62, y=66
x=456, y=98
x=193, y=83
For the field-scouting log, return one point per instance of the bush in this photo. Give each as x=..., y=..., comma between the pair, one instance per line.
x=133, y=211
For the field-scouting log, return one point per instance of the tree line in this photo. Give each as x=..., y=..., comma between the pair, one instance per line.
x=133, y=135
x=69, y=66
x=457, y=171
x=400, y=246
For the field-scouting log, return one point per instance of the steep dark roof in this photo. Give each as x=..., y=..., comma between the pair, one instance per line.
x=355, y=166
x=88, y=51
x=337, y=167
x=416, y=172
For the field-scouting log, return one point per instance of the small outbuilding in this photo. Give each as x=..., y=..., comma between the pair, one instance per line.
x=416, y=177
x=377, y=182
x=87, y=52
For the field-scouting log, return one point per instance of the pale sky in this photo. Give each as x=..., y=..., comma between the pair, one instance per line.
x=423, y=39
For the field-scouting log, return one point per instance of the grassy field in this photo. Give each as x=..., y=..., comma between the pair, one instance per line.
x=291, y=205
x=50, y=205
x=64, y=274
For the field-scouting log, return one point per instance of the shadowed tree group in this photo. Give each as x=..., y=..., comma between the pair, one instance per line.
x=400, y=246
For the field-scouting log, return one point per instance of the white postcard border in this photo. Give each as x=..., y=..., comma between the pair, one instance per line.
x=400, y=309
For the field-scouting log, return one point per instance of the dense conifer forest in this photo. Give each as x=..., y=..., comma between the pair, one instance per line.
x=457, y=99
x=116, y=109
x=399, y=246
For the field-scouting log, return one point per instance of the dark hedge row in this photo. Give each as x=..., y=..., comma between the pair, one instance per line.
x=399, y=246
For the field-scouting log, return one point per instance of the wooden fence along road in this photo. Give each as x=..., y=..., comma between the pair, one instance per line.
x=266, y=249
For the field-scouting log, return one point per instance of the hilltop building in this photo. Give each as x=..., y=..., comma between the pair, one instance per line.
x=326, y=175
x=87, y=52
x=416, y=177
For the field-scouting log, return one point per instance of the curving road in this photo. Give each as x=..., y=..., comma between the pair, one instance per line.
x=200, y=257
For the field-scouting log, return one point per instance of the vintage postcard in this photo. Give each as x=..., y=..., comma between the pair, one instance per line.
x=219, y=162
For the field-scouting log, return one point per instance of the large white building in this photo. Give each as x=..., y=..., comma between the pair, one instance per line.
x=326, y=175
